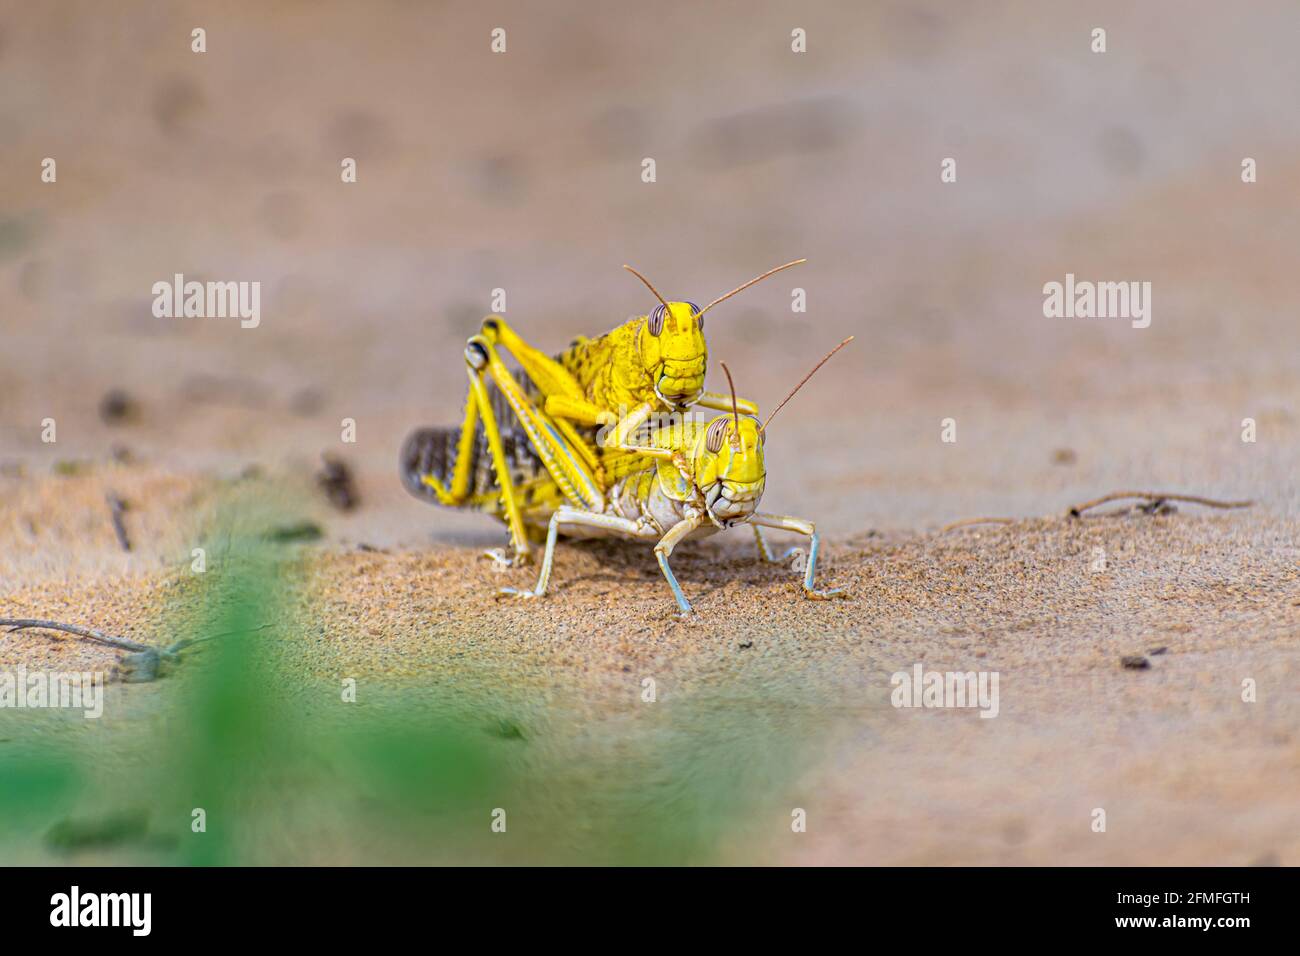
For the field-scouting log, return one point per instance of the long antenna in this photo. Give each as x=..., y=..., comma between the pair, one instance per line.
x=805, y=380
x=735, y=411
x=648, y=286
x=742, y=288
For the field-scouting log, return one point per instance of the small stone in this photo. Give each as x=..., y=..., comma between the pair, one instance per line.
x=117, y=407
x=335, y=479
x=1134, y=662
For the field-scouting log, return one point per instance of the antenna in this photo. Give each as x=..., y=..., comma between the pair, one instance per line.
x=805, y=380
x=735, y=411
x=648, y=286
x=741, y=288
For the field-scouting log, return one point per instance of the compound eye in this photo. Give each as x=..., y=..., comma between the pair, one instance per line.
x=656, y=321
x=699, y=319
x=716, y=433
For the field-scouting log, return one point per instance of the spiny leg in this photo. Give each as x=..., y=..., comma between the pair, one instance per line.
x=461, y=476
x=550, y=377
x=567, y=466
x=799, y=525
x=664, y=549
x=554, y=382
x=572, y=516
x=476, y=358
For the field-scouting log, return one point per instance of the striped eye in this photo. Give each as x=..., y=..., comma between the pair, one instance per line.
x=699, y=319
x=656, y=321
x=716, y=433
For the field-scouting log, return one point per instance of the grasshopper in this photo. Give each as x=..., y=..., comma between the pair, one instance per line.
x=653, y=361
x=686, y=480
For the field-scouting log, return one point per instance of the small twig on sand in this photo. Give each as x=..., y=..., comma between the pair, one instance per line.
x=143, y=664
x=19, y=624
x=1156, y=498
x=966, y=522
x=118, y=507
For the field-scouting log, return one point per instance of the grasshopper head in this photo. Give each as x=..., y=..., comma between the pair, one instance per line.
x=729, y=468
x=727, y=459
x=672, y=346
x=674, y=353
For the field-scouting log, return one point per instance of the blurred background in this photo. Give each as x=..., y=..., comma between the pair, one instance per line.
x=522, y=171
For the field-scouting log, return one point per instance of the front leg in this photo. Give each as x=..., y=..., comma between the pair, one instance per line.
x=620, y=433
x=722, y=403
x=665, y=548
x=787, y=523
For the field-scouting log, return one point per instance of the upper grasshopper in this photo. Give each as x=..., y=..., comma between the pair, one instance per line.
x=652, y=362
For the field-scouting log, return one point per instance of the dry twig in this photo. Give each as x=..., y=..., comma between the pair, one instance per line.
x=1156, y=498
x=121, y=643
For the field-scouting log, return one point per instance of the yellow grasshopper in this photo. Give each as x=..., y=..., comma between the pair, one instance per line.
x=653, y=361
x=688, y=480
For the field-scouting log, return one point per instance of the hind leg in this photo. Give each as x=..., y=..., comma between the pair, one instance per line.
x=550, y=377
x=458, y=492
x=476, y=358
x=566, y=457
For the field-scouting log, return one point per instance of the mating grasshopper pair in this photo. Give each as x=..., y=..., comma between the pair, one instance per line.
x=529, y=452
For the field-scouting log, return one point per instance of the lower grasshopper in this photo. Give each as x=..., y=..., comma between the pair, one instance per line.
x=686, y=480
x=654, y=361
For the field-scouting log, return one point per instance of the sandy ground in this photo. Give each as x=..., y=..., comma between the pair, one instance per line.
x=1123, y=166
x=1187, y=771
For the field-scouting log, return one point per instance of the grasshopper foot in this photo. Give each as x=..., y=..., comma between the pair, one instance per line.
x=824, y=594
x=501, y=560
x=517, y=593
